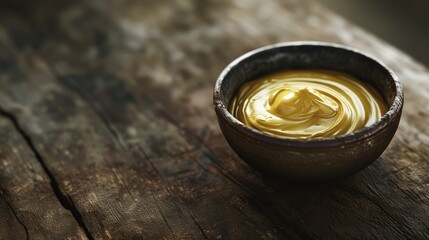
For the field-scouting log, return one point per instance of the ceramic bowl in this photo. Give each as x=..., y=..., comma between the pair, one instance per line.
x=308, y=159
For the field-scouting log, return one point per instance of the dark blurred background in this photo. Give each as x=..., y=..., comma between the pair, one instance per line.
x=404, y=24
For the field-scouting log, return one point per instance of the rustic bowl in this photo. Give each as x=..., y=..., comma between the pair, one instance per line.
x=308, y=159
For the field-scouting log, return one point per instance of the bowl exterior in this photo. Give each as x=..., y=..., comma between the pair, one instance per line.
x=308, y=164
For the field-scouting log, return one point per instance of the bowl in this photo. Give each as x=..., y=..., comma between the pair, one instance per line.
x=313, y=159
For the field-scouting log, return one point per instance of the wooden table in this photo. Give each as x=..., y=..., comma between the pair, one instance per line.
x=107, y=128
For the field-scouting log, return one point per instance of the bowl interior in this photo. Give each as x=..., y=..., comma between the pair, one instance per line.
x=269, y=60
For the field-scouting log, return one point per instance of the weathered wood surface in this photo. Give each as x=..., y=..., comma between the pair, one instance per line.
x=107, y=128
x=29, y=205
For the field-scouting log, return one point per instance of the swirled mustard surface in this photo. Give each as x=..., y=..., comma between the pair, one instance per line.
x=307, y=104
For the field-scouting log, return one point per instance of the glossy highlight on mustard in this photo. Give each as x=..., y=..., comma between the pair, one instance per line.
x=307, y=104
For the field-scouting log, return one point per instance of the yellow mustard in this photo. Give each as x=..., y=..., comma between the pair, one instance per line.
x=307, y=104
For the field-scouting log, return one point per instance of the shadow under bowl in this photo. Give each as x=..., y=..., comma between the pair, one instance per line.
x=308, y=159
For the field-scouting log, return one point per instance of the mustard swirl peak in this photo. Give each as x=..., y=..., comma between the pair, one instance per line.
x=307, y=104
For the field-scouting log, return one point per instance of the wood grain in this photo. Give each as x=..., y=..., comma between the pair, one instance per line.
x=116, y=100
x=28, y=205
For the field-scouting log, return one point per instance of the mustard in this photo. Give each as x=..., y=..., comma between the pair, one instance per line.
x=307, y=104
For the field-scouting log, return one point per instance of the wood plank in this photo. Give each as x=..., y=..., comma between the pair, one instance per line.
x=117, y=100
x=10, y=227
x=29, y=207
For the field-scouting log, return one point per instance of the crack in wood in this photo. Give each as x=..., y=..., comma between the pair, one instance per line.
x=198, y=225
x=14, y=213
x=118, y=139
x=67, y=203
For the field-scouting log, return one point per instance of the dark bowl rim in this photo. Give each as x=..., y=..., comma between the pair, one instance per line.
x=361, y=135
